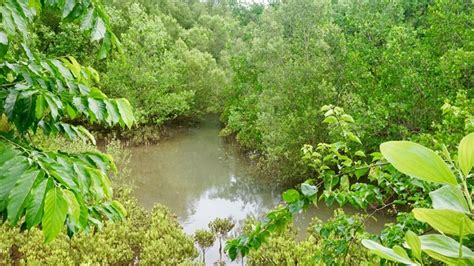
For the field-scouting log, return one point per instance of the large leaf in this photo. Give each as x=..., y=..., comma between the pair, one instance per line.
x=417, y=161
x=446, y=221
x=445, y=246
x=125, y=111
x=12, y=165
x=55, y=211
x=466, y=154
x=449, y=197
x=35, y=205
x=386, y=253
x=19, y=194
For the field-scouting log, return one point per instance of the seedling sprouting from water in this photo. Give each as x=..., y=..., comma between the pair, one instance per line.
x=204, y=239
x=221, y=227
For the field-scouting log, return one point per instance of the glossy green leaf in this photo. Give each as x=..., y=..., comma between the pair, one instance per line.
x=35, y=205
x=291, y=195
x=10, y=169
x=449, y=197
x=19, y=194
x=125, y=111
x=330, y=120
x=417, y=161
x=55, y=211
x=386, y=253
x=446, y=221
x=466, y=154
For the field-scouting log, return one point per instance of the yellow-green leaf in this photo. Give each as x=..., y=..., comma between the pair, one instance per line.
x=55, y=211
x=466, y=154
x=445, y=221
x=417, y=161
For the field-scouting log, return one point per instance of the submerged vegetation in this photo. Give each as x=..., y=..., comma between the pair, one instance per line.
x=336, y=100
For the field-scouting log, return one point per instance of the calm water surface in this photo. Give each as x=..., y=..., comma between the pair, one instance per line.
x=200, y=176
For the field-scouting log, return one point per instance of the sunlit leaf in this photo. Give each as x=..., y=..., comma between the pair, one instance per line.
x=417, y=161
x=445, y=246
x=19, y=194
x=449, y=197
x=413, y=242
x=446, y=221
x=466, y=154
x=385, y=252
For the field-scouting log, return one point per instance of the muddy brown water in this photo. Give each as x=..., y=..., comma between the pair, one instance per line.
x=201, y=176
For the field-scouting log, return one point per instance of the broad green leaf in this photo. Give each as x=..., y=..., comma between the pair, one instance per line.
x=55, y=211
x=125, y=111
x=385, y=252
x=400, y=251
x=113, y=114
x=466, y=154
x=18, y=195
x=445, y=246
x=417, y=161
x=10, y=170
x=413, y=242
x=330, y=120
x=308, y=190
x=449, y=197
x=347, y=118
x=445, y=221
x=97, y=109
x=291, y=195
x=35, y=205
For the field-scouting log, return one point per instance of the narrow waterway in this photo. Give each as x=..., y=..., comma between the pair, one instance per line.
x=200, y=176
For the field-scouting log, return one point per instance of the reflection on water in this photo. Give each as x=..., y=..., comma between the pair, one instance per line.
x=200, y=177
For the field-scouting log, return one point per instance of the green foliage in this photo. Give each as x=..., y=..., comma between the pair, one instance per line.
x=451, y=210
x=391, y=63
x=168, y=72
x=44, y=93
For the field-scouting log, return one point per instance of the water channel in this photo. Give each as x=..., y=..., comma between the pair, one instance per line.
x=201, y=176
